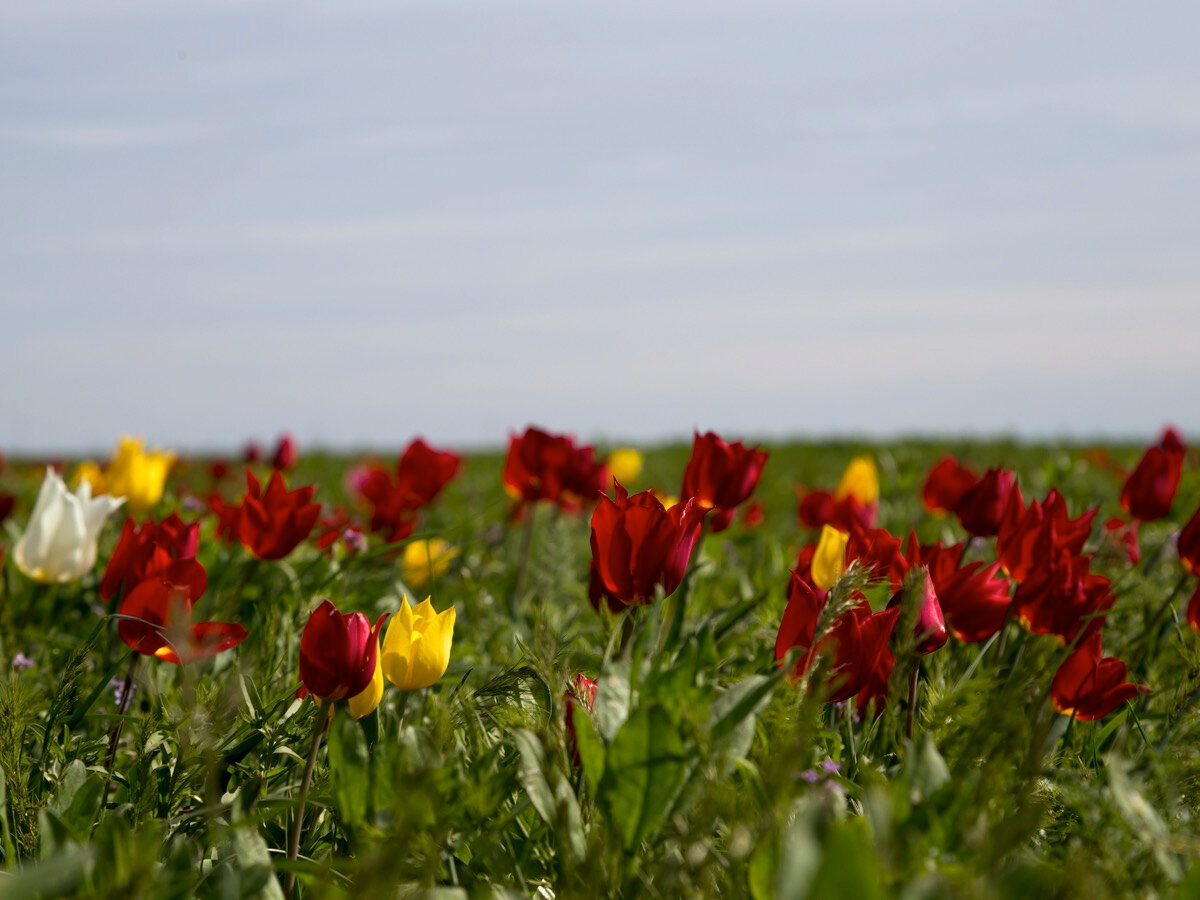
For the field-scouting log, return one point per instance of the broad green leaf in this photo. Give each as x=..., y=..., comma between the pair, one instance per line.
x=611, y=706
x=644, y=767
x=531, y=765
x=591, y=750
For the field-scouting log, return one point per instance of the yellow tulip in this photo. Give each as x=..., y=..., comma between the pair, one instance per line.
x=625, y=464
x=830, y=559
x=364, y=704
x=860, y=481
x=138, y=475
x=423, y=560
x=416, y=648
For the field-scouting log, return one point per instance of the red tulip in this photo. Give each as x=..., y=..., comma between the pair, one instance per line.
x=752, y=516
x=1063, y=598
x=863, y=660
x=1125, y=536
x=1189, y=544
x=819, y=508
x=721, y=476
x=973, y=599
x=7, y=503
x=1089, y=686
x=338, y=652
x=285, y=454
x=155, y=617
x=1150, y=488
x=1193, y=610
x=981, y=508
x=148, y=549
x=930, y=627
x=858, y=640
x=639, y=546
x=880, y=551
x=946, y=484
x=423, y=472
x=544, y=466
x=272, y=524
x=1031, y=538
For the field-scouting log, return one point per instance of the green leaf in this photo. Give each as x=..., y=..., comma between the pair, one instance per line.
x=645, y=765
x=611, y=707
x=738, y=704
x=591, y=749
x=926, y=769
x=77, y=799
x=531, y=773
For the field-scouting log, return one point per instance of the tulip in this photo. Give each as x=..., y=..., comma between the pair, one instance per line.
x=545, y=466
x=930, y=627
x=136, y=474
x=1124, y=535
x=860, y=480
x=862, y=659
x=422, y=472
x=1063, y=598
x=946, y=484
x=7, y=503
x=424, y=560
x=155, y=617
x=880, y=552
x=59, y=543
x=819, y=508
x=829, y=560
x=639, y=546
x=1150, y=489
x=1030, y=538
x=272, y=524
x=285, y=454
x=1189, y=544
x=416, y=648
x=338, y=652
x=981, y=508
x=1193, y=610
x=721, y=476
x=799, y=625
x=147, y=549
x=625, y=464
x=973, y=599
x=1089, y=686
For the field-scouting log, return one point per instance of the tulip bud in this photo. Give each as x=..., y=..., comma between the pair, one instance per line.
x=829, y=562
x=59, y=543
x=425, y=560
x=860, y=481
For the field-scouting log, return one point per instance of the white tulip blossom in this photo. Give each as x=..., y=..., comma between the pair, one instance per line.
x=59, y=543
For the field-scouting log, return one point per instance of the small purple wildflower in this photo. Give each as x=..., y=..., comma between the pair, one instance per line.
x=828, y=766
x=21, y=661
x=810, y=775
x=118, y=686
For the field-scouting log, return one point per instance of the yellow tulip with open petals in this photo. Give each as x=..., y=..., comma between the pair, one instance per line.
x=416, y=648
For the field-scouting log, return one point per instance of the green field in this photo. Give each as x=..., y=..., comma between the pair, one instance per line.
x=701, y=770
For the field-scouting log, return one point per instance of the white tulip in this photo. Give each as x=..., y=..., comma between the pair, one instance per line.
x=59, y=543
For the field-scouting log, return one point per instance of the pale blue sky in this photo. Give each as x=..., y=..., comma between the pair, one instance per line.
x=365, y=220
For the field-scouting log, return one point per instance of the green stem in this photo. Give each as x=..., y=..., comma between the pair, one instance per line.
x=289, y=881
x=913, y=677
x=523, y=559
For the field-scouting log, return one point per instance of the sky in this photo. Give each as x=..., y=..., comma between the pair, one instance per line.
x=362, y=221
